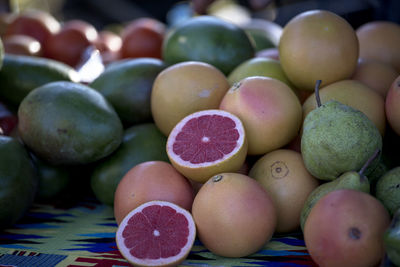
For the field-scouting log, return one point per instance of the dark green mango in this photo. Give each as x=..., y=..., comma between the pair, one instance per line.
x=127, y=85
x=18, y=181
x=142, y=142
x=21, y=74
x=68, y=123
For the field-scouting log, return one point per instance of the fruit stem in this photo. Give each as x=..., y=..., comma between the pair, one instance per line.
x=368, y=162
x=317, y=98
x=217, y=178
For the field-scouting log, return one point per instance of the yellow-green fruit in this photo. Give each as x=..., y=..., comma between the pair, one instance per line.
x=318, y=45
x=283, y=175
x=338, y=138
x=260, y=66
x=184, y=88
x=270, y=111
x=391, y=238
x=354, y=94
x=388, y=190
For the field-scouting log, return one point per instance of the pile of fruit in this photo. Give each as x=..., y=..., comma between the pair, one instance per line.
x=210, y=130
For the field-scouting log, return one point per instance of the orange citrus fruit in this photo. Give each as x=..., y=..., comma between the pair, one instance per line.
x=151, y=180
x=207, y=142
x=270, y=111
x=318, y=45
x=284, y=176
x=234, y=215
x=380, y=40
x=354, y=94
x=157, y=233
x=184, y=88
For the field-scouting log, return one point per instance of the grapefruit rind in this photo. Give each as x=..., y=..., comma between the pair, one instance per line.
x=201, y=172
x=170, y=261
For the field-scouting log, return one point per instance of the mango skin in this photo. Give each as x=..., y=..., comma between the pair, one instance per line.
x=338, y=138
x=18, y=181
x=391, y=238
x=69, y=123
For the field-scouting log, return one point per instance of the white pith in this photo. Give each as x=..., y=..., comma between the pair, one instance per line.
x=150, y=262
x=178, y=127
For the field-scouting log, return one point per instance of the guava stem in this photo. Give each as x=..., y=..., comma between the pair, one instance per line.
x=368, y=162
x=317, y=98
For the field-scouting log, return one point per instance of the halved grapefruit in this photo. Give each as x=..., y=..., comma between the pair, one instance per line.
x=156, y=233
x=206, y=143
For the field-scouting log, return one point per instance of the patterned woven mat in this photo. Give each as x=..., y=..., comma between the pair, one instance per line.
x=83, y=234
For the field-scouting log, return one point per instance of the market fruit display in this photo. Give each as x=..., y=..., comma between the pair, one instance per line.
x=157, y=233
x=209, y=129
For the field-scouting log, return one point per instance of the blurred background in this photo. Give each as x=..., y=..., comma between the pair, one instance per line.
x=102, y=13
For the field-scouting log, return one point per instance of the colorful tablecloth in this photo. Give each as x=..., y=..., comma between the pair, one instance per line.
x=82, y=233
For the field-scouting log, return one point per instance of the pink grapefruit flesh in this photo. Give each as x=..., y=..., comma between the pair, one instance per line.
x=207, y=142
x=157, y=233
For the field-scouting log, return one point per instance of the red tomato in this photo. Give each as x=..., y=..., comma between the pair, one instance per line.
x=71, y=41
x=109, y=44
x=142, y=37
x=22, y=45
x=8, y=120
x=35, y=23
x=5, y=21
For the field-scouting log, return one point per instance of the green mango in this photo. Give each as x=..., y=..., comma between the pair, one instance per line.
x=21, y=74
x=69, y=123
x=18, y=181
x=141, y=142
x=387, y=190
x=127, y=85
